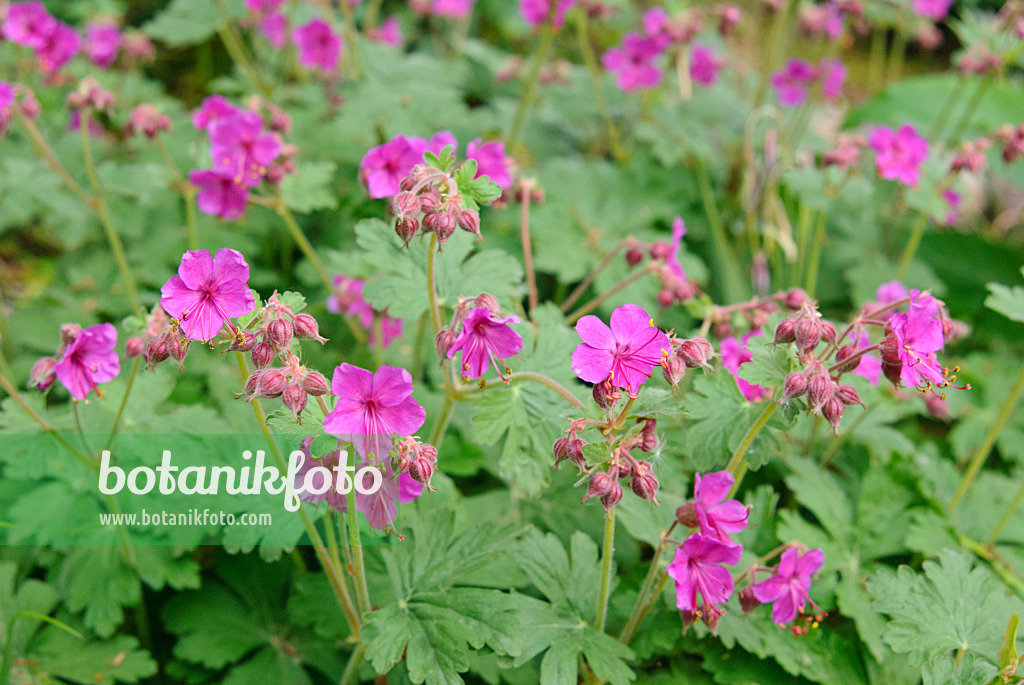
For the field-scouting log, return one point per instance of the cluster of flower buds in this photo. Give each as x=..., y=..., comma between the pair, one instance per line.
x=418, y=459
x=979, y=61
x=160, y=341
x=756, y=312
x=692, y=353
x=147, y=120
x=28, y=106
x=90, y=95
x=429, y=202
x=137, y=47
x=846, y=153
x=807, y=330
x=1012, y=138
x=571, y=446
x=826, y=396
x=605, y=484
x=971, y=155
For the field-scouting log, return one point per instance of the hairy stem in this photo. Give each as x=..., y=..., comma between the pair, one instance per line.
x=814, y=259
x=355, y=662
x=81, y=456
x=546, y=381
x=236, y=48
x=435, y=311
x=441, y=422
x=912, y=244
x=606, y=570
x=597, y=83
x=356, y=546
x=748, y=439
x=582, y=287
x=530, y=89
x=46, y=152
x=124, y=402
x=1011, y=509
x=639, y=609
x=524, y=230
x=972, y=107
x=600, y=299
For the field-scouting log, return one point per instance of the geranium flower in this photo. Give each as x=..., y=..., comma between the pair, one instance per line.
x=890, y=292
x=718, y=517
x=789, y=585
x=936, y=10
x=734, y=355
x=219, y=194
x=485, y=339
x=623, y=354
x=348, y=300
x=102, y=41
x=697, y=569
x=239, y=146
x=213, y=108
x=28, y=24
x=452, y=8
x=319, y=47
x=274, y=27
x=207, y=292
x=634, y=61
x=490, y=161
x=899, y=154
x=792, y=82
x=704, y=65
x=383, y=167
x=89, y=360
x=535, y=12
x=833, y=77
x=373, y=408
x=389, y=32
x=59, y=48
x=919, y=336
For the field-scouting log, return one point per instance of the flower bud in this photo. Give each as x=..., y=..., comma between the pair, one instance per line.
x=601, y=396
x=953, y=330
x=294, y=398
x=848, y=394
x=634, y=256
x=490, y=302
x=686, y=515
x=795, y=298
x=612, y=497
x=279, y=333
x=600, y=484
x=808, y=334
x=305, y=327
x=648, y=438
x=156, y=351
x=890, y=350
x=43, y=373
x=785, y=332
x=695, y=352
x=893, y=372
x=243, y=341
x=936, y=405
x=644, y=483
x=844, y=353
x=469, y=221
x=833, y=410
x=421, y=469
x=660, y=250
x=819, y=390
x=406, y=228
x=134, y=346
x=252, y=383
x=272, y=383
x=68, y=332
x=443, y=342
x=315, y=384
x=673, y=369
x=561, y=451
x=262, y=354
x=666, y=296
x=178, y=348
x=828, y=332
x=623, y=470
x=404, y=205
x=794, y=386
x=747, y=600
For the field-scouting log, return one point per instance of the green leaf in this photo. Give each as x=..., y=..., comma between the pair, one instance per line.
x=309, y=188
x=188, y=22
x=769, y=366
x=1007, y=301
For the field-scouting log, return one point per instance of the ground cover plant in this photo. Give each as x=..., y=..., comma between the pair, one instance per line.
x=484, y=341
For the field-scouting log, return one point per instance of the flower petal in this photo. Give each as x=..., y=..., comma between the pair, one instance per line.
x=196, y=269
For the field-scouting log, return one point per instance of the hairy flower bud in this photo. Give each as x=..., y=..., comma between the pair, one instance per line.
x=469, y=221
x=443, y=342
x=272, y=383
x=634, y=256
x=686, y=515
x=833, y=410
x=747, y=600
x=648, y=438
x=612, y=497
x=156, y=351
x=404, y=205
x=795, y=298
x=262, y=354
x=490, y=302
x=134, y=346
x=421, y=469
x=279, y=333
x=673, y=369
x=819, y=390
x=844, y=353
x=305, y=327
x=695, y=352
x=294, y=398
x=315, y=384
x=666, y=296
x=561, y=451
x=808, y=334
x=889, y=350
x=600, y=484
x=644, y=483
x=406, y=228
x=43, y=374
x=178, y=348
x=785, y=332
x=243, y=341
x=828, y=332
x=892, y=372
x=848, y=394
x=601, y=396
x=794, y=386
x=252, y=383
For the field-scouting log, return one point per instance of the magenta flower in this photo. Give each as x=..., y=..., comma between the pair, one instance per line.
x=437, y=142
x=452, y=8
x=697, y=569
x=634, y=61
x=704, y=65
x=936, y=10
x=952, y=199
x=490, y=161
x=239, y=146
x=319, y=47
x=870, y=365
x=789, y=586
x=318, y=480
x=348, y=300
x=535, y=12
x=655, y=21
x=213, y=108
x=219, y=194
x=672, y=260
x=28, y=24
x=623, y=354
x=263, y=6
x=919, y=336
x=102, y=41
x=485, y=339
x=734, y=355
x=899, y=154
x=833, y=77
x=389, y=32
x=792, y=82
x=90, y=359
x=373, y=408
x=207, y=292
x=60, y=46
x=274, y=27
x=890, y=292
x=383, y=167
x=718, y=516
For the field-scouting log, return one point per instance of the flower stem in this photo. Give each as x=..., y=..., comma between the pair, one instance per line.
x=606, y=570
x=530, y=89
x=599, y=300
x=972, y=107
x=912, y=244
x=771, y=56
x=187, y=190
x=355, y=662
x=748, y=439
x=640, y=608
x=6, y=384
x=876, y=63
x=124, y=403
x=303, y=242
x=47, y=154
x=947, y=108
x=814, y=259
x=896, y=56
x=524, y=229
x=546, y=381
x=582, y=287
x=851, y=358
x=597, y=82
x=441, y=422
x=235, y=47
x=333, y=573
x=651, y=598
x=371, y=14
x=435, y=311
x=352, y=39
x=978, y=460
x=356, y=545
x=733, y=284
x=1007, y=515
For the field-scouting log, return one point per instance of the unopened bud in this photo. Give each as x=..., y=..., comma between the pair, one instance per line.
x=490, y=302
x=842, y=354
x=644, y=483
x=612, y=497
x=828, y=332
x=833, y=412
x=648, y=437
x=695, y=352
x=674, y=369
x=252, y=384
x=305, y=327
x=795, y=298
x=600, y=484
x=43, y=373
x=294, y=398
x=156, y=351
x=686, y=515
x=315, y=384
x=748, y=602
x=279, y=333
x=890, y=350
x=893, y=372
x=660, y=250
x=808, y=334
x=848, y=394
x=404, y=205
x=601, y=396
x=406, y=228
x=134, y=346
x=443, y=342
x=819, y=390
x=243, y=341
x=794, y=386
x=469, y=221
x=666, y=296
x=272, y=383
x=785, y=332
x=262, y=354
x=421, y=469
x=634, y=256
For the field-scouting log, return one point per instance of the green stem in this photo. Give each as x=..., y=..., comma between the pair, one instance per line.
x=972, y=107
x=651, y=598
x=978, y=460
x=524, y=231
x=733, y=282
x=600, y=299
x=597, y=83
x=351, y=39
x=606, y=570
x=896, y=56
x=771, y=56
x=188, y=193
x=1007, y=515
x=814, y=259
x=441, y=422
x=355, y=662
x=530, y=89
x=435, y=311
x=378, y=339
x=233, y=42
x=48, y=155
x=8, y=657
x=124, y=402
x=805, y=215
x=83, y=457
x=356, y=546
x=546, y=381
x=582, y=287
x=911, y=248
x=303, y=242
x=876, y=63
x=947, y=108
x=748, y=439
x=371, y=15
x=636, y=616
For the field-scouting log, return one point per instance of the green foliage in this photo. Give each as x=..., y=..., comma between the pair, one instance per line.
x=188, y=22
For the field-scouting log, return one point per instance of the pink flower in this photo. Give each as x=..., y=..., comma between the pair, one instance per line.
x=28, y=24
x=952, y=199
x=899, y=154
x=624, y=354
x=453, y=8
x=789, y=586
x=697, y=569
x=348, y=300
x=485, y=339
x=535, y=12
x=389, y=32
x=213, y=108
x=383, y=167
x=89, y=360
x=207, y=292
x=263, y=6
x=870, y=366
x=60, y=46
x=704, y=65
x=734, y=355
x=655, y=21
x=718, y=517
x=936, y=10
x=890, y=292
x=239, y=147
x=833, y=77
x=102, y=41
x=490, y=161
x=7, y=99
x=634, y=62
x=792, y=82
x=672, y=260
x=373, y=408
x=319, y=47
x=274, y=27
x=919, y=336
x=219, y=194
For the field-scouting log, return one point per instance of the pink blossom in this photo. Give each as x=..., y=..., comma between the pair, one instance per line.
x=899, y=154
x=624, y=354
x=219, y=194
x=919, y=336
x=348, y=300
x=952, y=199
x=792, y=81
x=274, y=27
x=373, y=408
x=490, y=161
x=936, y=10
x=437, y=142
x=453, y=8
x=207, y=292
x=535, y=12
x=833, y=77
x=718, y=517
x=389, y=32
x=634, y=62
x=734, y=355
x=28, y=24
x=890, y=292
x=655, y=21
x=102, y=41
x=383, y=167
x=90, y=359
x=319, y=47
x=60, y=46
x=672, y=260
x=789, y=586
x=263, y=6
x=485, y=339
x=239, y=146
x=213, y=108
x=704, y=65
x=7, y=99
x=870, y=365
x=697, y=569
x=834, y=15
